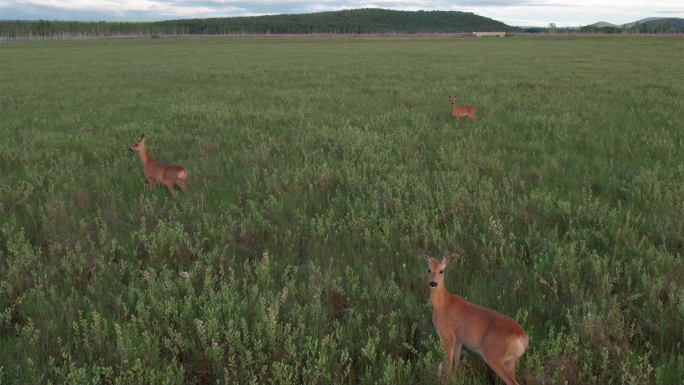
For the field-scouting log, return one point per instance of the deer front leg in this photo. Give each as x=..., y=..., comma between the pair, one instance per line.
x=457, y=354
x=449, y=348
x=151, y=184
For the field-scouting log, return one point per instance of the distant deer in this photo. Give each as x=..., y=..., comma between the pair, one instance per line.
x=459, y=111
x=160, y=173
x=497, y=338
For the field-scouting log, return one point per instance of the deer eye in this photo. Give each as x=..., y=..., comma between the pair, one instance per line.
x=441, y=272
x=429, y=271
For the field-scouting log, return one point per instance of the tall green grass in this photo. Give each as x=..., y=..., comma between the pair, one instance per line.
x=317, y=169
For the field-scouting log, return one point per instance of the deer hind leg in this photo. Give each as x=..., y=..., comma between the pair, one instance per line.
x=500, y=368
x=170, y=187
x=512, y=359
x=500, y=365
x=181, y=184
x=510, y=366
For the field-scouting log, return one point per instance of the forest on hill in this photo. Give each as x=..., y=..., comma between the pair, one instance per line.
x=356, y=21
x=346, y=22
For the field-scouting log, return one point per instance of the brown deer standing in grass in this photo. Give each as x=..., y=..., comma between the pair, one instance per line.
x=497, y=338
x=459, y=111
x=160, y=173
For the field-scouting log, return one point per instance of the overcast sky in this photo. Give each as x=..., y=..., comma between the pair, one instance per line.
x=511, y=12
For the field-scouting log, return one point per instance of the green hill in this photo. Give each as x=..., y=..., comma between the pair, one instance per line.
x=368, y=20
x=676, y=22
x=651, y=25
x=603, y=24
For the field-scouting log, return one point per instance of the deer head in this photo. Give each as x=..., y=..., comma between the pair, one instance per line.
x=436, y=268
x=139, y=145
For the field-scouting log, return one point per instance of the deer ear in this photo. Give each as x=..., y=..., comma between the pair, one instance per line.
x=426, y=255
x=447, y=257
x=142, y=137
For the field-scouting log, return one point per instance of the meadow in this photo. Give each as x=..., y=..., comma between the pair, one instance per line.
x=318, y=168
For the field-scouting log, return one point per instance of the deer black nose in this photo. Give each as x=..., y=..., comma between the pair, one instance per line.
x=130, y=149
x=433, y=284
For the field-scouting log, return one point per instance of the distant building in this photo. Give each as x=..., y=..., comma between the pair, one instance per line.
x=498, y=34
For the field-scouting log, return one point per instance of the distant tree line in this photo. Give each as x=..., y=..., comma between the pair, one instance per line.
x=671, y=25
x=358, y=21
x=45, y=29
x=655, y=26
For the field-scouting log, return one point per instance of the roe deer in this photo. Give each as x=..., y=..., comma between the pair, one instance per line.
x=497, y=338
x=459, y=111
x=160, y=173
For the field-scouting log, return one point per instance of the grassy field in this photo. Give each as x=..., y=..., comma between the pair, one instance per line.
x=318, y=168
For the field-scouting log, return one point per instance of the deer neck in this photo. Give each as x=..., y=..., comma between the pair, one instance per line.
x=144, y=157
x=439, y=296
